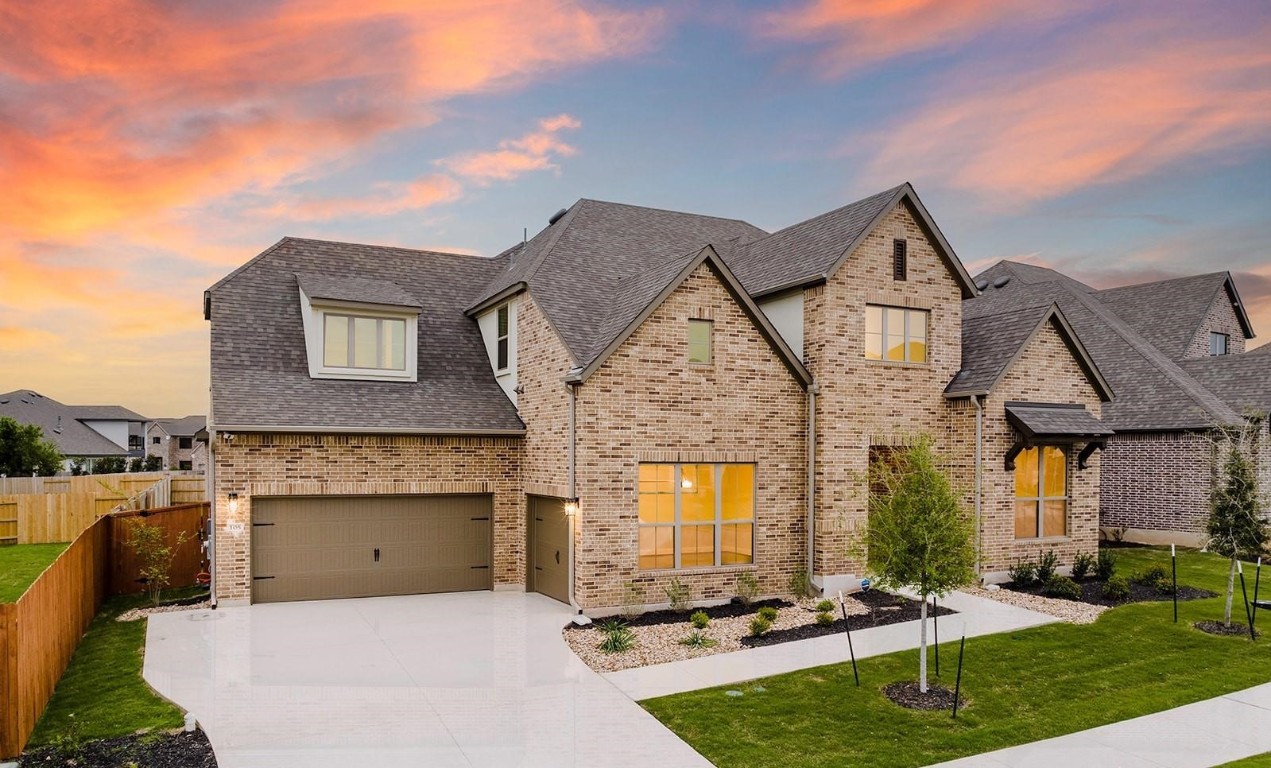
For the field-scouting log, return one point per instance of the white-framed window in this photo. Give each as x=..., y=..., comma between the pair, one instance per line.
x=346, y=340
x=1041, y=492
x=896, y=334
x=502, y=337
x=696, y=515
x=1218, y=343
x=699, y=341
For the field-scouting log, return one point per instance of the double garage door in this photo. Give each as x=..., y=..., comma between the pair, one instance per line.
x=320, y=547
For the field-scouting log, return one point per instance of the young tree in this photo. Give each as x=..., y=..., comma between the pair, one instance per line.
x=917, y=534
x=153, y=464
x=149, y=542
x=24, y=451
x=1236, y=527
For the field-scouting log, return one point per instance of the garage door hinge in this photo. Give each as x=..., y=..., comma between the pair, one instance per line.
x=479, y=518
x=261, y=578
x=260, y=525
x=480, y=566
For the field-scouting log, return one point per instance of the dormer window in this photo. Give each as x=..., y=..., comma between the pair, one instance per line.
x=504, y=326
x=357, y=328
x=1218, y=343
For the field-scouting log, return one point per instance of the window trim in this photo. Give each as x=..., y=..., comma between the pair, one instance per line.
x=314, y=317
x=1215, y=336
x=908, y=313
x=710, y=340
x=503, y=341
x=900, y=259
x=1040, y=500
x=676, y=525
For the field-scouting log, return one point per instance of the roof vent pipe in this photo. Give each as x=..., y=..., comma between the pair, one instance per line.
x=557, y=216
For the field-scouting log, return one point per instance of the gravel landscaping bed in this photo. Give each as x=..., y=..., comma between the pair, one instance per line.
x=658, y=633
x=146, y=750
x=190, y=604
x=1092, y=593
x=1070, y=611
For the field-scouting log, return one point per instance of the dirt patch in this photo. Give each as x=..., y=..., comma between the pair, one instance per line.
x=908, y=695
x=1218, y=628
x=151, y=750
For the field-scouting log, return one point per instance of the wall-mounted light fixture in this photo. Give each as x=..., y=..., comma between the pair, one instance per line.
x=571, y=507
x=233, y=503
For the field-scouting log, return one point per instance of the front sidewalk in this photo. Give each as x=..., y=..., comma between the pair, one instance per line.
x=977, y=615
x=1199, y=735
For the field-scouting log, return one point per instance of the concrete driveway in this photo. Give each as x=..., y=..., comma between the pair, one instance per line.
x=466, y=679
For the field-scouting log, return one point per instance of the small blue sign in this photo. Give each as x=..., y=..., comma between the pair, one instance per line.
x=864, y=585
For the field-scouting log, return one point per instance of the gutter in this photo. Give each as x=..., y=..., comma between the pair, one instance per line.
x=979, y=482
x=211, y=511
x=282, y=429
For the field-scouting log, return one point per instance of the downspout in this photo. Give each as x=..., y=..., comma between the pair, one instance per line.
x=211, y=513
x=811, y=484
x=979, y=447
x=573, y=487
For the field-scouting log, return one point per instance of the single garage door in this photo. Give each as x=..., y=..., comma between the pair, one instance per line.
x=319, y=547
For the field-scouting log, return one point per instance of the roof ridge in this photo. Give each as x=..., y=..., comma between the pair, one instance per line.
x=668, y=210
x=1222, y=273
x=1148, y=351
x=887, y=192
x=402, y=248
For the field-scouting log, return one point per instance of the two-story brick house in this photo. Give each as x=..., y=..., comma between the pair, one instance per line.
x=629, y=397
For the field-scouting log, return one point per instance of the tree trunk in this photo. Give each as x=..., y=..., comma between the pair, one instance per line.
x=922, y=650
x=1231, y=590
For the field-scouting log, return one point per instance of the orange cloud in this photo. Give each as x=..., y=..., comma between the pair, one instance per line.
x=534, y=151
x=847, y=35
x=386, y=199
x=1132, y=98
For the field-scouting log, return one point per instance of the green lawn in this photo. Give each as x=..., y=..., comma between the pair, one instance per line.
x=1257, y=761
x=102, y=688
x=1023, y=686
x=21, y=564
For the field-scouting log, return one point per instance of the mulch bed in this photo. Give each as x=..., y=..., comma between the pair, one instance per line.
x=1218, y=628
x=149, y=750
x=884, y=609
x=1092, y=593
x=909, y=696
x=725, y=611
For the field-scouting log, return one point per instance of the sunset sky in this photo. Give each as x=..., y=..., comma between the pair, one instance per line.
x=147, y=148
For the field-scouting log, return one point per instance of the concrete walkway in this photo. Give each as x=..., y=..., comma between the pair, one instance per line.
x=1199, y=735
x=978, y=616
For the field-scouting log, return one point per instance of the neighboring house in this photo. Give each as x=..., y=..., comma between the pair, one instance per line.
x=177, y=442
x=1174, y=354
x=630, y=397
x=86, y=432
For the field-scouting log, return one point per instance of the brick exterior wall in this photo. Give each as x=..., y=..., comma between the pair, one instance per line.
x=307, y=465
x=863, y=402
x=647, y=403
x=1159, y=481
x=543, y=403
x=1045, y=372
x=1222, y=319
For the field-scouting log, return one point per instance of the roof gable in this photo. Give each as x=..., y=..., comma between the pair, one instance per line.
x=646, y=292
x=812, y=251
x=1169, y=313
x=59, y=422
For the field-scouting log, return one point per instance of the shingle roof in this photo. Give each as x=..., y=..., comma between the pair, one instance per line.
x=59, y=422
x=260, y=372
x=1151, y=391
x=1243, y=381
x=1055, y=420
x=105, y=413
x=358, y=289
x=812, y=250
x=588, y=270
x=1188, y=300
x=188, y=426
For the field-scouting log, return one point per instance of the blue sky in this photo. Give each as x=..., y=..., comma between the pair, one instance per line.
x=146, y=150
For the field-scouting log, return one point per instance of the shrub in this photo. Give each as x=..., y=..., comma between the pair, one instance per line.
x=136, y=463
x=799, y=585
x=747, y=588
x=1023, y=573
x=1047, y=565
x=824, y=618
x=618, y=637
x=1106, y=564
x=1117, y=588
x=768, y=612
x=700, y=620
x=759, y=625
x=1082, y=565
x=698, y=639
x=152, y=464
x=1150, y=576
x=825, y=606
x=679, y=595
x=1062, y=587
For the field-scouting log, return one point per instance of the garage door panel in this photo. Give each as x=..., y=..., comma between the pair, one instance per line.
x=309, y=548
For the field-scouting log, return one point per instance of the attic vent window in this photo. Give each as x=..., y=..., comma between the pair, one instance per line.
x=900, y=259
x=1218, y=343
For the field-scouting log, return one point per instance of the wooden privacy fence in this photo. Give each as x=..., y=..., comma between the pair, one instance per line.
x=39, y=633
x=59, y=515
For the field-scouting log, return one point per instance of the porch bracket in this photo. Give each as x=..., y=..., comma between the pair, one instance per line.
x=1020, y=444
x=1084, y=457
